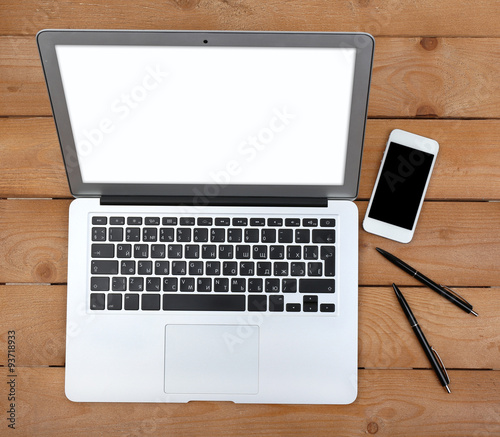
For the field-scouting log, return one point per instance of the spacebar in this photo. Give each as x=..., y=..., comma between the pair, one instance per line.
x=203, y=302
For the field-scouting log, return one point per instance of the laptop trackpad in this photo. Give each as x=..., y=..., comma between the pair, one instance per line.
x=211, y=359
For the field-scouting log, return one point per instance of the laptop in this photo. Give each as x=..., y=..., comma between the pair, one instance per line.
x=213, y=241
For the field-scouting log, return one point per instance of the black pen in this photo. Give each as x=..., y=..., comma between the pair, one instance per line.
x=444, y=291
x=429, y=351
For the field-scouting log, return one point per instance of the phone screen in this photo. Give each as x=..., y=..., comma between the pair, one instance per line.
x=401, y=185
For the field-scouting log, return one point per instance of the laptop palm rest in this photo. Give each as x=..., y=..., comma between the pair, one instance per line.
x=211, y=359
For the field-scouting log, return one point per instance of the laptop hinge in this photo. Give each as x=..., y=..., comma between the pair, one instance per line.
x=215, y=201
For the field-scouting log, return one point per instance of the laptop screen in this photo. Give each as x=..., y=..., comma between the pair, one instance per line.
x=209, y=115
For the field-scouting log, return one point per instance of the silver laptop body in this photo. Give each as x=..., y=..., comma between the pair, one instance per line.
x=213, y=241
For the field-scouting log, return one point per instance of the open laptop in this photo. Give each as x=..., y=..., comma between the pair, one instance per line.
x=213, y=242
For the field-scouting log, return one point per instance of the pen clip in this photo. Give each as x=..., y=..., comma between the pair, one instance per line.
x=434, y=351
x=456, y=295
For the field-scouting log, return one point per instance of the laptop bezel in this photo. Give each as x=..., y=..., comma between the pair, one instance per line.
x=362, y=42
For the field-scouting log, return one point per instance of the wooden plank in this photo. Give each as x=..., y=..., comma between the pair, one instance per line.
x=468, y=156
x=37, y=314
x=412, y=77
x=456, y=243
x=383, y=407
x=451, y=18
x=32, y=164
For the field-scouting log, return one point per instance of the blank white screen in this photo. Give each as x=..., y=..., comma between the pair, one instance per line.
x=232, y=115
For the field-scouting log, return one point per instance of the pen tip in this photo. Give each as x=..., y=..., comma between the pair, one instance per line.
x=447, y=389
x=473, y=312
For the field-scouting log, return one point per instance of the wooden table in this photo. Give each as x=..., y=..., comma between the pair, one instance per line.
x=436, y=73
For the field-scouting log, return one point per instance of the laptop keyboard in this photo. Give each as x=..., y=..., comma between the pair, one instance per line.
x=183, y=263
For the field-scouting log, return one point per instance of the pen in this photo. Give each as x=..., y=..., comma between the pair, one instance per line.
x=429, y=351
x=444, y=291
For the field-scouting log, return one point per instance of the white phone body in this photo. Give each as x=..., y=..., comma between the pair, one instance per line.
x=401, y=185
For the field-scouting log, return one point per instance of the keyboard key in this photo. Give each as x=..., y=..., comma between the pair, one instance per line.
x=310, y=252
x=289, y=285
x=238, y=285
x=196, y=268
x=127, y=268
x=234, y=235
x=203, y=302
x=153, y=284
x=272, y=286
x=277, y=252
x=162, y=268
x=327, y=252
x=212, y=268
x=329, y=267
x=276, y=303
x=251, y=235
x=323, y=236
x=327, y=308
x=298, y=269
x=104, y=267
x=229, y=268
x=169, y=221
x=114, y=301
x=97, y=301
x=98, y=234
x=310, y=222
x=218, y=235
x=222, y=221
x=141, y=250
x=200, y=235
x=119, y=284
x=152, y=221
x=221, y=284
x=292, y=222
x=204, y=221
x=117, y=221
x=293, y=307
x=187, y=221
x=131, y=302
x=115, y=234
x=226, y=251
x=247, y=268
x=204, y=285
x=274, y=222
x=170, y=284
x=103, y=250
x=158, y=251
x=150, y=302
x=268, y=236
x=259, y=252
x=133, y=234
x=192, y=251
x=99, y=220
x=149, y=234
x=257, y=302
x=310, y=304
x=183, y=234
x=178, y=267
x=317, y=285
x=209, y=251
x=124, y=250
x=240, y=221
x=167, y=234
x=136, y=284
x=257, y=222
x=99, y=284
x=294, y=252
x=134, y=220
x=285, y=235
x=186, y=284
x=327, y=223
x=314, y=269
x=255, y=285
x=174, y=251
x=280, y=269
x=264, y=269
x=302, y=235
x=243, y=252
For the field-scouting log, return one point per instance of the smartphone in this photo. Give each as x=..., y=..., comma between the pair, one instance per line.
x=401, y=184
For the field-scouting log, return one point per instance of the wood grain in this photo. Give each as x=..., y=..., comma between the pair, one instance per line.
x=446, y=247
x=32, y=165
x=38, y=312
x=405, y=17
x=412, y=77
x=383, y=407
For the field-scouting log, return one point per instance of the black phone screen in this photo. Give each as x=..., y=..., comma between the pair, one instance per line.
x=401, y=185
